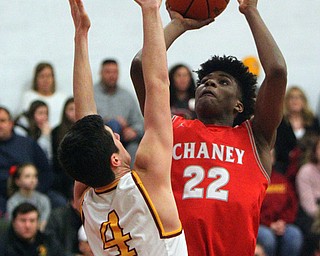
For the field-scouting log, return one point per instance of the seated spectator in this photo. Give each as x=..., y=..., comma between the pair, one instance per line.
x=15, y=150
x=298, y=123
x=118, y=108
x=182, y=91
x=35, y=123
x=63, y=226
x=22, y=183
x=62, y=182
x=308, y=188
x=277, y=232
x=44, y=88
x=84, y=246
x=23, y=237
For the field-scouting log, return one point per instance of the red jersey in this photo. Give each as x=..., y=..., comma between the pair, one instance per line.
x=219, y=184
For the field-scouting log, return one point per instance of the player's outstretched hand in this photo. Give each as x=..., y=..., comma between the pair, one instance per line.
x=187, y=23
x=79, y=15
x=148, y=3
x=245, y=5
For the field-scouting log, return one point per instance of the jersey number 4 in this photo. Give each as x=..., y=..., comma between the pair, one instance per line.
x=118, y=238
x=193, y=190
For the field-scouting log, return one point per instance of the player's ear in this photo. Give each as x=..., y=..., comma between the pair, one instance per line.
x=239, y=107
x=114, y=160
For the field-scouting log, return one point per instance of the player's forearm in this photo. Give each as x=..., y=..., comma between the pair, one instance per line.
x=154, y=59
x=82, y=78
x=136, y=71
x=172, y=31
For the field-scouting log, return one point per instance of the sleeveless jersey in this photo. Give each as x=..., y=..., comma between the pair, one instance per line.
x=121, y=220
x=219, y=185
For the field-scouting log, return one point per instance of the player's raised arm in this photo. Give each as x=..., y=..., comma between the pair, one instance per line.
x=82, y=77
x=175, y=28
x=156, y=145
x=269, y=103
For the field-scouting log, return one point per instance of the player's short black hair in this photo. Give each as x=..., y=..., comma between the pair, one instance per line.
x=85, y=152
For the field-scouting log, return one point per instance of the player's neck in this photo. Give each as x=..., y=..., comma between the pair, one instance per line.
x=217, y=121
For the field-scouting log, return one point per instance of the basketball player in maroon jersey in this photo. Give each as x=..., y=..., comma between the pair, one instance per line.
x=221, y=161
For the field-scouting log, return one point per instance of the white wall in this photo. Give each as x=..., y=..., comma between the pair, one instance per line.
x=41, y=30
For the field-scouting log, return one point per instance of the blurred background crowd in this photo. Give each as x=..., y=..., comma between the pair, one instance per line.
x=33, y=182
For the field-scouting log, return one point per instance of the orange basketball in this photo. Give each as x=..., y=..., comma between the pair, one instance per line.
x=198, y=9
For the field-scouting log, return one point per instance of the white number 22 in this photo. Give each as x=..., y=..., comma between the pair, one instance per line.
x=220, y=175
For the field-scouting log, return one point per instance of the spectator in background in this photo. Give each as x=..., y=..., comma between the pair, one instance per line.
x=15, y=150
x=84, y=246
x=298, y=124
x=308, y=181
x=62, y=182
x=23, y=237
x=118, y=108
x=44, y=88
x=277, y=232
x=63, y=226
x=35, y=123
x=182, y=91
x=308, y=188
x=22, y=186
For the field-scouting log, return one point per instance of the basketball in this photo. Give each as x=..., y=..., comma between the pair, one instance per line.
x=198, y=9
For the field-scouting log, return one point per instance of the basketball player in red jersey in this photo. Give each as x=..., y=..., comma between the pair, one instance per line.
x=221, y=161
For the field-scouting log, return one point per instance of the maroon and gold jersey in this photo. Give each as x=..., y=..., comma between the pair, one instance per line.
x=219, y=184
x=121, y=219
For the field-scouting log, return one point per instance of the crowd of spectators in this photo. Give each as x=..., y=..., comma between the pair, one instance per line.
x=33, y=185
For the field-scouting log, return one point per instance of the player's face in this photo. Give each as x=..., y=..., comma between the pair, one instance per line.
x=217, y=95
x=26, y=225
x=123, y=153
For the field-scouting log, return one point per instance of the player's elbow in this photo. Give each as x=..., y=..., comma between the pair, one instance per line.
x=278, y=73
x=164, y=78
x=158, y=84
